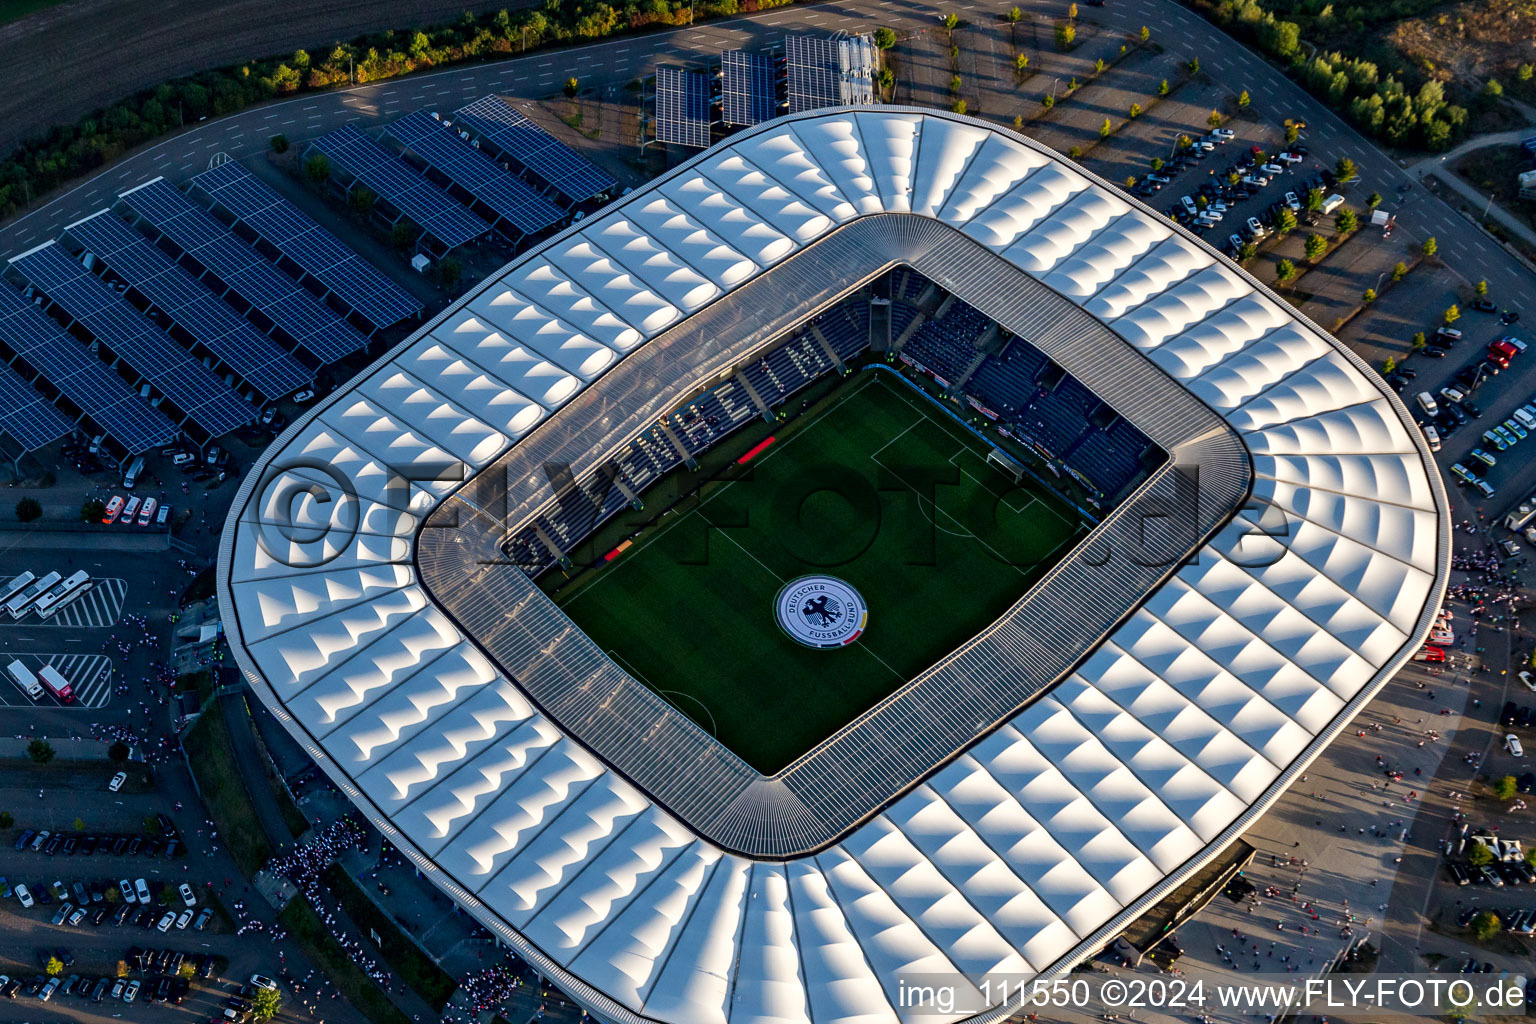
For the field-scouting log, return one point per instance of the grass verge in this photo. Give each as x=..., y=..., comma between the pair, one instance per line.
x=305, y=928
x=415, y=968
x=209, y=754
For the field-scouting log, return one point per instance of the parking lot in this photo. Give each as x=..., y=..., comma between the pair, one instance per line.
x=90, y=675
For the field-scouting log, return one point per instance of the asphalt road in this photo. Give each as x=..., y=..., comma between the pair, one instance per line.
x=607, y=65
x=68, y=60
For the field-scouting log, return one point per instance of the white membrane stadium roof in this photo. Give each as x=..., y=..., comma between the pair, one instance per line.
x=1024, y=853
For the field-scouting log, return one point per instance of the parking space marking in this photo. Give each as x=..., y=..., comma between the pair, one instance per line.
x=101, y=606
x=89, y=675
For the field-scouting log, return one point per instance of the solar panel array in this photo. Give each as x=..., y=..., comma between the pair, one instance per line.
x=748, y=93
x=814, y=65
x=27, y=416
x=401, y=186
x=244, y=271
x=189, y=385
x=317, y=252
x=682, y=106
x=79, y=376
x=566, y=171
x=506, y=195
x=264, y=364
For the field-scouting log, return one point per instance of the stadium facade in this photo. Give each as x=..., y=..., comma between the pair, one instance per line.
x=1008, y=811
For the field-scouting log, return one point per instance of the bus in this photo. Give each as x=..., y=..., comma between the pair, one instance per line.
x=60, y=596
x=22, y=602
x=56, y=684
x=16, y=586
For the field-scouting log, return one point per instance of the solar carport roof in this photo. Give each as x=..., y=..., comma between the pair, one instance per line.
x=1033, y=842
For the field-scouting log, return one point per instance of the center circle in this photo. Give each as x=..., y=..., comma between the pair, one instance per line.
x=821, y=611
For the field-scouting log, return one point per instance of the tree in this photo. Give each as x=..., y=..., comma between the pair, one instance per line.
x=1075, y=152
x=79, y=824
x=1018, y=121
x=1130, y=181
x=1246, y=252
x=93, y=510
x=54, y=967
x=112, y=895
x=1315, y=199
x=1066, y=35
x=1135, y=110
x=1215, y=119
x=1485, y=923
x=1345, y=170
x=1146, y=33
x=1399, y=271
x=1243, y=99
x=1162, y=87
x=887, y=79
x=1418, y=341
x=1285, y=221
x=1193, y=67
x=266, y=1004
x=1292, y=132
x=1020, y=64
x=1156, y=163
x=1479, y=855
x=1315, y=246
x=317, y=168
x=886, y=38
x=1099, y=66
x=950, y=21
x=362, y=199
x=1106, y=129
x=1452, y=314
x=958, y=106
x=1530, y=856
x=1524, y=73
x=118, y=752
x=1284, y=271
x=1430, y=247
x=1368, y=296
x=28, y=509
x=572, y=87
x=40, y=751
x=1504, y=789
x=1015, y=15
x=1388, y=365
x=1373, y=200
x=1346, y=221
x=6, y=820
x=279, y=143
x=954, y=84
x=449, y=271
x=1481, y=289
x=1048, y=101
x=1072, y=11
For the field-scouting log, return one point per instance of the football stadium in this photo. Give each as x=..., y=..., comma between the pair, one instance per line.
x=875, y=551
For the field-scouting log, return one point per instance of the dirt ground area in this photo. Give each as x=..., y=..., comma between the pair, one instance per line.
x=1495, y=170
x=68, y=60
x=1471, y=41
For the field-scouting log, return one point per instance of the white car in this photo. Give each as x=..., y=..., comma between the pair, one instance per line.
x=1529, y=679
x=304, y=396
x=262, y=981
x=1512, y=744
x=1225, y=133
x=141, y=887
x=1432, y=436
x=1272, y=169
x=166, y=922
x=117, y=782
x=1293, y=201
x=24, y=896
x=131, y=992
x=125, y=889
x=1256, y=229
x=187, y=896
x=184, y=919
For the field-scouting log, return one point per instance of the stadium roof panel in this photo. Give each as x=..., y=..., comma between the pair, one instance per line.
x=512, y=201
x=401, y=186
x=317, y=252
x=263, y=364
x=563, y=169
x=1026, y=851
x=189, y=385
x=244, y=271
x=81, y=378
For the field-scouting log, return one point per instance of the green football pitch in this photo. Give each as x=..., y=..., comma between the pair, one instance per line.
x=874, y=485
